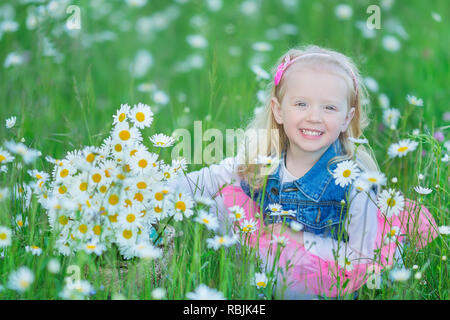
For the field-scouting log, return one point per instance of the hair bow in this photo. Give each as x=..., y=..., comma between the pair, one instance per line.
x=281, y=67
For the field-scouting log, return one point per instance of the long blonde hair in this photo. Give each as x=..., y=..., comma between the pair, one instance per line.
x=274, y=136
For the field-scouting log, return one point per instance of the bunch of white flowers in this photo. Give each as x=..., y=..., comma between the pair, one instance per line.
x=113, y=194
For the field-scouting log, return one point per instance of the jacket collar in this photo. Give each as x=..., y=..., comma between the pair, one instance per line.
x=315, y=181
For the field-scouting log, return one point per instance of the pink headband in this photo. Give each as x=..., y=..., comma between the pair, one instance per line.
x=287, y=62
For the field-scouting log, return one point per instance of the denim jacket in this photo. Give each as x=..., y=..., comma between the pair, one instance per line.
x=315, y=199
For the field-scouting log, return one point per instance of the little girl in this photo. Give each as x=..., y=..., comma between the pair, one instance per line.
x=314, y=114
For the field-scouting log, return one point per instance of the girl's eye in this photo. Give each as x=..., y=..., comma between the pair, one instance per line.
x=300, y=104
x=330, y=107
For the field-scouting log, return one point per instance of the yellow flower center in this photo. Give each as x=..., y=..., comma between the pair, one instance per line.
x=63, y=220
x=83, y=228
x=124, y=135
x=221, y=240
x=91, y=246
x=122, y=117
x=140, y=116
x=261, y=284
x=180, y=205
x=3, y=236
x=96, y=177
x=103, y=189
x=83, y=186
x=90, y=157
x=393, y=232
x=158, y=209
x=167, y=175
x=113, y=218
x=131, y=217
x=113, y=199
x=138, y=197
x=64, y=173
x=141, y=185
x=346, y=173
x=159, y=196
x=97, y=230
x=127, y=234
x=205, y=220
x=2, y=157
x=143, y=163
x=372, y=180
x=402, y=149
x=118, y=147
x=20, y=223
x=62, y=189
x=391, y=202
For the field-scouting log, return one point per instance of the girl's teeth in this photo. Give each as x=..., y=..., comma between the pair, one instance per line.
x=311, y=133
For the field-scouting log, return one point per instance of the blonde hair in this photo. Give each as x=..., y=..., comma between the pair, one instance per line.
x=275, y=137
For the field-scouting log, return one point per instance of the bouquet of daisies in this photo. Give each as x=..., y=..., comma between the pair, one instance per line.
x=115, y=193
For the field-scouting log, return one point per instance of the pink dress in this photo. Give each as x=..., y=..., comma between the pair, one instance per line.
x=310, y=275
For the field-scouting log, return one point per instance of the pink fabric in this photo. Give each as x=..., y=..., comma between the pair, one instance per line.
x=313, y=275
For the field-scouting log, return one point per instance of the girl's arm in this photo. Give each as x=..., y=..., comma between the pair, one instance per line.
x=361, y=228
x=207, y=181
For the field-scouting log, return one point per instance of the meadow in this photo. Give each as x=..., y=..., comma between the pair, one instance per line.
x=65, y=74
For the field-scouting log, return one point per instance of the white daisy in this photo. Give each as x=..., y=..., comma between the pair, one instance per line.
x=260, y=280
x=93, y=247
x=21, y=279
x=282, y=240
x=275, y=208
x=162, y=141
x=4, y=194
x=343, y=11
x=237, y=213
x=145, y=250
x=390, y=202
x=361, y=185
x=126, y=135
x=143, y=162
x=422, y=190
x=160, y=97
x=158, y=293
x=53, y=265
x=197, y=41
x=182, y=205
x=345, y=172
x=122, y=114
x=358, y=141
x=296, y=226
x=204, y=200
x=391, y=43
x=402, y=147
x=414, y=100
x=346, y=263
x=248, y=226
x=445, y=230
x=392, y=235
x=130, y=220
x=260, y=72
x=35, y=250
x=203, y=292
x=10, y=122
x=5, y=237
x=262, y=46
x=391, y=117
x=126, y=237
x=374, y=178
x=209, y=220
x=217, y=241
x=400, y=275
x=5, y=157
x=141, y=115
x=179, y=165
x=28, y=155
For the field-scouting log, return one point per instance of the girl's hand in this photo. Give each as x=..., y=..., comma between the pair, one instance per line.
x=280, y=229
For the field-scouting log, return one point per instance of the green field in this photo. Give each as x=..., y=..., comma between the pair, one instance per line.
x=64, y=86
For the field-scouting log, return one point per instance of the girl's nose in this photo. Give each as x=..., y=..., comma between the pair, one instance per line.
x=314, y=114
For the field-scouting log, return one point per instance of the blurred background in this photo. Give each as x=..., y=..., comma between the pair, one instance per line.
x=67, y=66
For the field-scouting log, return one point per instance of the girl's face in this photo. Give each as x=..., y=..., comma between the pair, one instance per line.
x=313, y=111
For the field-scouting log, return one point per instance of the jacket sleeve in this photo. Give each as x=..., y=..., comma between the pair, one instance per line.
x=361, y=227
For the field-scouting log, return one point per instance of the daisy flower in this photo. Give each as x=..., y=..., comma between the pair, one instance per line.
x=10, y=122
x=392, y=235
x=209, y=220
x=143, y=162
x=358, y=141
x=204, y=200
x=374, y=178
x=126, y=237
x=179, y=164
x=343, y=11
x=282, y=240
x=130, y=220
x=141, y=115
x=217, y=241
x=197, y=41
x=4, y=194
x=422, y=190
x=391, y=43
x=20, y=222
x=145, y=250
x=5, y=237
x=414, y=100
x=400, y=275
x=296, y=226
x=237, y=213
x=402, y=147
x=260, y=72
x=391, y=117
x=445, y=230
x=203, y=292
x=182, y=205
x=158, y=293
x=5, y=157
x=266, y=160
x=262, y=46
x=93, y=247
x=248, y=226
x=28, y=155
x=126, y=135
x=275, y=208
x=35, y=250
x=21, y=279
x=161, y=140
x=345, y=172
x=346, y=263
x=390, y=202
x=122, y=114
x=53, y=265
x=361, y=185
x=260, y=280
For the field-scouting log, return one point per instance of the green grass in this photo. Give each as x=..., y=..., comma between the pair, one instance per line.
x=65, y=106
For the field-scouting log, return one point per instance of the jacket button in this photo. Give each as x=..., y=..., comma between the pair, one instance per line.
x=274, y=191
